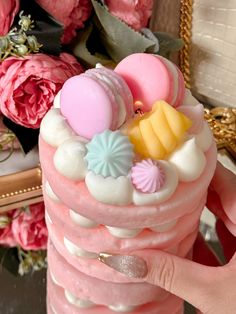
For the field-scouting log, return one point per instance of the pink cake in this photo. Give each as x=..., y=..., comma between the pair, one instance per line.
x=127, y=159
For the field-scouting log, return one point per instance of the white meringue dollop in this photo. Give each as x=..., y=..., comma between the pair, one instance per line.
x=120, y=308
x=69, y=159
x=204, y=138
x=110, y=190
x=81, y=220
x=123, y=233
x=189, y=161
x=77, y=251
x=189, y=100
x=50, y=193
x=57, y=100
x=80, y=303
x=54, y=129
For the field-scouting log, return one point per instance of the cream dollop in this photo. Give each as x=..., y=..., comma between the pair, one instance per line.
x=77, y=251
x=54, y=129
x=69, y=159
x=189, y=161
x=50, y=193
x=123, y=233
x=81, y=220
x=110, y=190
x=80, y=303
x=165, y=192
x=122, y=308
x=204, y=138
x=189, y=100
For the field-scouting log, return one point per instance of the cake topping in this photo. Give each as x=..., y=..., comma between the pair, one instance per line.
x=147, y=176
x=157, y=133
x=110, y=154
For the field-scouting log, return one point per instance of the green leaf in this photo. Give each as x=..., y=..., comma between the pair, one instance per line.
x=81, y=50
x=9, y=260
x=117, y=37
x=168, y=44
x=27, y=137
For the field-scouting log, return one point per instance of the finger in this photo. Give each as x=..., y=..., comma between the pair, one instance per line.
x=224, y=184
x=203, y=254
x=188, y=280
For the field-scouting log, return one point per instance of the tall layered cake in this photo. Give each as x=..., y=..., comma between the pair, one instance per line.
x=127, y=159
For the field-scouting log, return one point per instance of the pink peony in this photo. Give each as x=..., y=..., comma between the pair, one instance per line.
x=29, y=228
x=6, y=235
x=28, y=85
x=135, y=13
x=72, y=13
x=8, y=11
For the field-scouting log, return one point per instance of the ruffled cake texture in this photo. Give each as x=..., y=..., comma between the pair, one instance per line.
x=118, y=179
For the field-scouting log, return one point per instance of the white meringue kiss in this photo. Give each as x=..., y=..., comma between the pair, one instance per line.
x=77, y=251
x=204, y=138
x=50, y=193
x=164, y=227
x=123, y=233
x=54, y=129
x=80, y=303
x=69, y=159
x=122, y=308
x=165, y=192
x=81, y=220
x=57, y=100
x=189, y=160
x=189, y=100
x=114, y=191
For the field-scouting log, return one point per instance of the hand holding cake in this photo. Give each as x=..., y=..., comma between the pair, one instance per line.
x=209, y=289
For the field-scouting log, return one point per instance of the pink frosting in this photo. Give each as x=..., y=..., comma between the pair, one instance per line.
x=147, y=176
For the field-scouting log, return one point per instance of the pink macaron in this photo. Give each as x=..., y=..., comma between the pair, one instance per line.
x=151, y=78
x=96, y=100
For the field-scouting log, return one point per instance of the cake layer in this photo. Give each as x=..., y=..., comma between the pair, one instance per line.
x=86, y=261
x=77, y=197
x=99, y=239
x=58, y=304
x=99, y=291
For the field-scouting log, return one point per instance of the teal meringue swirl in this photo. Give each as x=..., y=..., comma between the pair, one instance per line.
x=110, y=154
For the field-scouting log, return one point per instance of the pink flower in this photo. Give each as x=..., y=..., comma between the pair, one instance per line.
x=135, y=13
x=28, y=85
x=72, y=13
x=29, y=228
x=8, y=11
x=6, y=235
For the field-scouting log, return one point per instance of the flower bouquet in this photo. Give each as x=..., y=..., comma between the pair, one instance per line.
x=42, y=44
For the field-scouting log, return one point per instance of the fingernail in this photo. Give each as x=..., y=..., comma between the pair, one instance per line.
x=130, y=265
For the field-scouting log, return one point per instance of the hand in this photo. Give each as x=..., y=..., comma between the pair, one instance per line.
x=212, y=290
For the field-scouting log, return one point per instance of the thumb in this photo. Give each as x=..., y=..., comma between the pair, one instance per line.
x=188, y=280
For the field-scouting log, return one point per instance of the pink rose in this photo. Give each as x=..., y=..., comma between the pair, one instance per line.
x=29, y=228
x=72, y=13
x=135, y=13
x=8, y=11
x=6, y=235
x=28, y=85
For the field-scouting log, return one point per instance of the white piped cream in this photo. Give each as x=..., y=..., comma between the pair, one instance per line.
x=80, y=303
x=122, y=308
x=123, y=233
x=50, y=193
x=77, y=251
x=81, y=220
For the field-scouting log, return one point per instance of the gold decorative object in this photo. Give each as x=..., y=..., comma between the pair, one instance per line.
x=20, y=189
x=186, y=10
x=222, y=121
